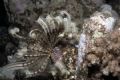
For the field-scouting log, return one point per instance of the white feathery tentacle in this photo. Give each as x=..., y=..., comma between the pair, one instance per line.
x=59, y=19
x=50, y=22
x=65, y=13
x=14, y=32
x=81, y=49
x=32, y=34
x=43, y=24
x=8, y=70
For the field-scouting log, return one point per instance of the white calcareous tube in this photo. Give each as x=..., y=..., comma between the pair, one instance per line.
x=81, y=49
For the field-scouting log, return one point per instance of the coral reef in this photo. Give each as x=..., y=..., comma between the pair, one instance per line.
x=60, y=40
x=94, y=27
x=104, y=52
x=97, y=46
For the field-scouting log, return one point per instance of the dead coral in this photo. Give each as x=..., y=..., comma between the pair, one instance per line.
x=100, y=44
x=106, y=56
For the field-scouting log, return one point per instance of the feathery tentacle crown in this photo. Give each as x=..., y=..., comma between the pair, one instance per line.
x=42, y=39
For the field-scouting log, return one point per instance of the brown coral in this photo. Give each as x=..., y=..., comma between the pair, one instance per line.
x=105, y=54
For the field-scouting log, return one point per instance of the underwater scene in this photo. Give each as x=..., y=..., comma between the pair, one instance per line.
x=60, y=40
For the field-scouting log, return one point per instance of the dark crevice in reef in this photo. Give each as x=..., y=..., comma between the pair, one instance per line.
x=110, y=77
x=95, y=69
x=115, y=5
x=92, y=70
x=3, y=33
x=21, y=76
x=3, y=15
x=111, y=1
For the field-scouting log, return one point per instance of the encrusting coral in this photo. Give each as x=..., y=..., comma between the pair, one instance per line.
x=104, y=52
x=99, y=44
